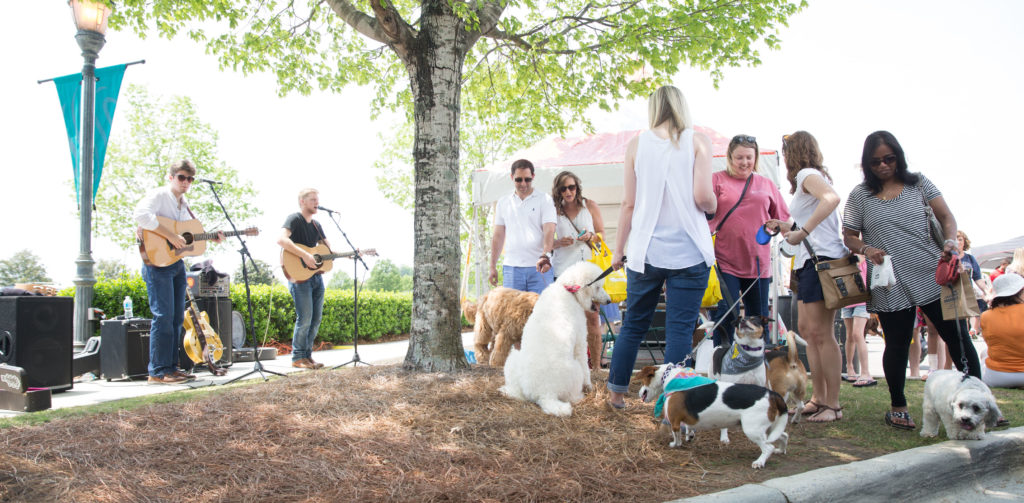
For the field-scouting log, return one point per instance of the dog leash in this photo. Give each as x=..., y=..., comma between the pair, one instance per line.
x=606, y=272
x=742, y=294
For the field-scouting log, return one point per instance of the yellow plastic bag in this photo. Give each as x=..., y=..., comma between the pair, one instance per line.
x=614, y=283
x=713, y=293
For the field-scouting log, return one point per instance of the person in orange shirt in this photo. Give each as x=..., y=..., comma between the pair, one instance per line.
x=1003, y=330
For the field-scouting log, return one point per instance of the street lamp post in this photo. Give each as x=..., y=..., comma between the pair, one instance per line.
x=91, y=21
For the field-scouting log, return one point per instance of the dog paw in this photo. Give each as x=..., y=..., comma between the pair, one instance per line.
x=673, y=444
x=929, y=434
x=757, y=464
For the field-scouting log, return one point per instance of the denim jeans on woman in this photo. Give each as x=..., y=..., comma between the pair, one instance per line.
x=755, y=303
x=684, y=289
x=166, y=289
x=309, y=306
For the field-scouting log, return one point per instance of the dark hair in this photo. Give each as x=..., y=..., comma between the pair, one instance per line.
x=556, y=192
x=522, y=164
x=1009, y=300
x=871, y=143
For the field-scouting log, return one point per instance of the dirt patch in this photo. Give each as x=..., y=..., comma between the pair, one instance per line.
x=382, y=433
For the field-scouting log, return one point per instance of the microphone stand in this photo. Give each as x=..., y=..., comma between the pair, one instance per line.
x=357, y=258
x=244, y=251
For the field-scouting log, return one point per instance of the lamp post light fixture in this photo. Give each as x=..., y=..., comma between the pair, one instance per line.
x=91, y=21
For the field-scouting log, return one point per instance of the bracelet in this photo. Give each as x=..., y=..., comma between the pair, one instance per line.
x=863, y=249
x=950, y=242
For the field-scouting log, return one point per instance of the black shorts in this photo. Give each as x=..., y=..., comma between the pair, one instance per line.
x=810, y=286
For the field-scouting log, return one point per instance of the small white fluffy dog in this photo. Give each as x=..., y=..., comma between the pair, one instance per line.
x=551, y=369
x=965, y=406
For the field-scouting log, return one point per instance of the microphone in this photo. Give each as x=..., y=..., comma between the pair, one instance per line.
x=209, y=181
x=321, y=208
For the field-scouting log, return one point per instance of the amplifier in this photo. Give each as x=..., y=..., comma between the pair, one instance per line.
x=200, y=288
x=124, y=350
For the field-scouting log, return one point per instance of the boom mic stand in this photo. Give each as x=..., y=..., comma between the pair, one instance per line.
x=244, y=251
x=357, y=258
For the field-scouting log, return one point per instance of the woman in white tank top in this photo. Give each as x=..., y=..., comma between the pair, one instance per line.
x=663, y=229
x=579, y=219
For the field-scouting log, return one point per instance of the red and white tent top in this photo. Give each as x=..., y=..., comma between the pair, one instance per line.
x=597, y=159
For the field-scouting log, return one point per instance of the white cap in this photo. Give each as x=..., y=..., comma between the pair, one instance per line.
x=1008, y=285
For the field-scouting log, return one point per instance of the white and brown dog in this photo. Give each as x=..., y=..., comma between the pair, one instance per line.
x=787, y=375
x=551, y=368
x=965, y=406
x=715, y=405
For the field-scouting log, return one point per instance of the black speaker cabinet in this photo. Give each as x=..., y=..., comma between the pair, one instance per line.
x=36, y=335
x=218, y=309
x=124, y=348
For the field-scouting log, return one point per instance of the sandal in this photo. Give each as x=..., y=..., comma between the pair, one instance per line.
x=900, y=420
x=864, y=383
x=837, y=415
x=809, y=411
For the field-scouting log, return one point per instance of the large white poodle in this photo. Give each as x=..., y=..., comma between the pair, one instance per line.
x=551, y=369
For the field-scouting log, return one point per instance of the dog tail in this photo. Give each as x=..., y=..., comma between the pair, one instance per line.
x=781, y=410
x=792, y=339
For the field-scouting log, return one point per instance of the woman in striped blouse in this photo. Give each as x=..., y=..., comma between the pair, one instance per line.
x=885, y=218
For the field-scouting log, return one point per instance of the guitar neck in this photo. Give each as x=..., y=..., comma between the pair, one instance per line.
x=206, y=236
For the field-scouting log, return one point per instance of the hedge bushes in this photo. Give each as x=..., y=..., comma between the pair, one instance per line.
x=380, y=313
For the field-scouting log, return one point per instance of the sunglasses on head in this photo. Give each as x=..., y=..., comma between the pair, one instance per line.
x=742, y=138
x=564, y=188
x=889, y=159
x=521, y=180
x=182, y=178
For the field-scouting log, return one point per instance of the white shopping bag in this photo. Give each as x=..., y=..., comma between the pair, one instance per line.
x=882, y=275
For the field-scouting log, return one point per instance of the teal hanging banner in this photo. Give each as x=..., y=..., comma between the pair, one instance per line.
x=69, y=91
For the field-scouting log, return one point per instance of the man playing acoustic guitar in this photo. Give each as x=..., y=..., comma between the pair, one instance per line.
x=166, y=285
x=309, y=294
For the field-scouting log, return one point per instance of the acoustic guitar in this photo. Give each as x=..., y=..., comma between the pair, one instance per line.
x=157, y=251
x=296, y=270
x=202, y=344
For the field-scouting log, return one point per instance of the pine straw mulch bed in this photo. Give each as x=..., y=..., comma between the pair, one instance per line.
x=382, y=434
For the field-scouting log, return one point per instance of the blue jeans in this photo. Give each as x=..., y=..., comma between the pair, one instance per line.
x=755, y=303
x=526, y=279
x=684, y=289
x=309, y=306
x=166, y=289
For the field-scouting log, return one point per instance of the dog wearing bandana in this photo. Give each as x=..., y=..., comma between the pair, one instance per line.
x=743, y=361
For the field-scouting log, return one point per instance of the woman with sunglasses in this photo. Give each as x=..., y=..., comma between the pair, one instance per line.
x=746, y=200
x=816, y=221
x=666, y=193
x=885, y=219
x=579, y=219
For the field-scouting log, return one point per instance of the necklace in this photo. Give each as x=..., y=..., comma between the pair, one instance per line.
x=891, y=192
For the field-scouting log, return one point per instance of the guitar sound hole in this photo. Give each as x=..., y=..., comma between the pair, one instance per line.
x=188, y=238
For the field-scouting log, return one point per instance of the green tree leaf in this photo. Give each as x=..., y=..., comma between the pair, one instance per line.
x=263, y=275
x=23, y=267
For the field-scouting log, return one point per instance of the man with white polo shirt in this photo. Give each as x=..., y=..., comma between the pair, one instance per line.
x=526, y=220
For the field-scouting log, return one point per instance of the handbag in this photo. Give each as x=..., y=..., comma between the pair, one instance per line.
x=934, y=226
x=841, y=282
x=615, y=282
x=713, y=294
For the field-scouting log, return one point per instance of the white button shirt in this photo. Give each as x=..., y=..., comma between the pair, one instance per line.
x=524, y=221
x=160, y=202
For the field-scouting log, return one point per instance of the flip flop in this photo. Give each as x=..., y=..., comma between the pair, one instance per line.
x=864, y=383
x=849, y=379
x=837, y=415
x=905, y=416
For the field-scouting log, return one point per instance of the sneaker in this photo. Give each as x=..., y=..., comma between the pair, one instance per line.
x=166, y=379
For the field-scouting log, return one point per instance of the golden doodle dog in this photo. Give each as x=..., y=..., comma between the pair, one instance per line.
x=500, y=317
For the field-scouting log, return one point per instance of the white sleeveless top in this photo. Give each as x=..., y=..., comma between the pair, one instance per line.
x=668, y=229
x=563, y=258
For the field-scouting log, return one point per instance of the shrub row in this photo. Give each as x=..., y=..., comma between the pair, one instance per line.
x=380, y=313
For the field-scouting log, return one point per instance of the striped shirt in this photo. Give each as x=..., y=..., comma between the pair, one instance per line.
x=900, y=227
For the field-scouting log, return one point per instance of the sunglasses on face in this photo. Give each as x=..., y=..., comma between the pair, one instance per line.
x=740, y=138
x=182, y=178
x=889, y=159
x=521, y=180
x=564, y=188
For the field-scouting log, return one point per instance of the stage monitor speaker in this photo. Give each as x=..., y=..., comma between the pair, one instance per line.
x=36, y=335
x=218, y=309
x=124, y=348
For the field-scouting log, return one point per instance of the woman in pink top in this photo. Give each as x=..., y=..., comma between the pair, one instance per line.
x=741, y=260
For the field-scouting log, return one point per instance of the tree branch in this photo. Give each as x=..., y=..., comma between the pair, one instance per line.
x=387, y=28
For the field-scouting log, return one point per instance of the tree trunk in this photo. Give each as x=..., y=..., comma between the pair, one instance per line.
x=435, y=69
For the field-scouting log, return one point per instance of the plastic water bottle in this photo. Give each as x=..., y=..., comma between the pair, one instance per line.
x=127, y=307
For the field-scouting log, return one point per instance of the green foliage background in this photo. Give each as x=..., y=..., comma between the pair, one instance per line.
x=380, y=313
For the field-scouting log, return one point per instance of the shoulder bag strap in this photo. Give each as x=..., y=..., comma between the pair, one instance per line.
x=738, y=201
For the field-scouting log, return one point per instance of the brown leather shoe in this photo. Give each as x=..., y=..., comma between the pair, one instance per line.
x=166, y=379
x=316, y=365
x=186, y=375
x=304, y=363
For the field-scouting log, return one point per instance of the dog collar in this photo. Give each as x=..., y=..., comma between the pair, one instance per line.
x=668, y=370
x=572, y=288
